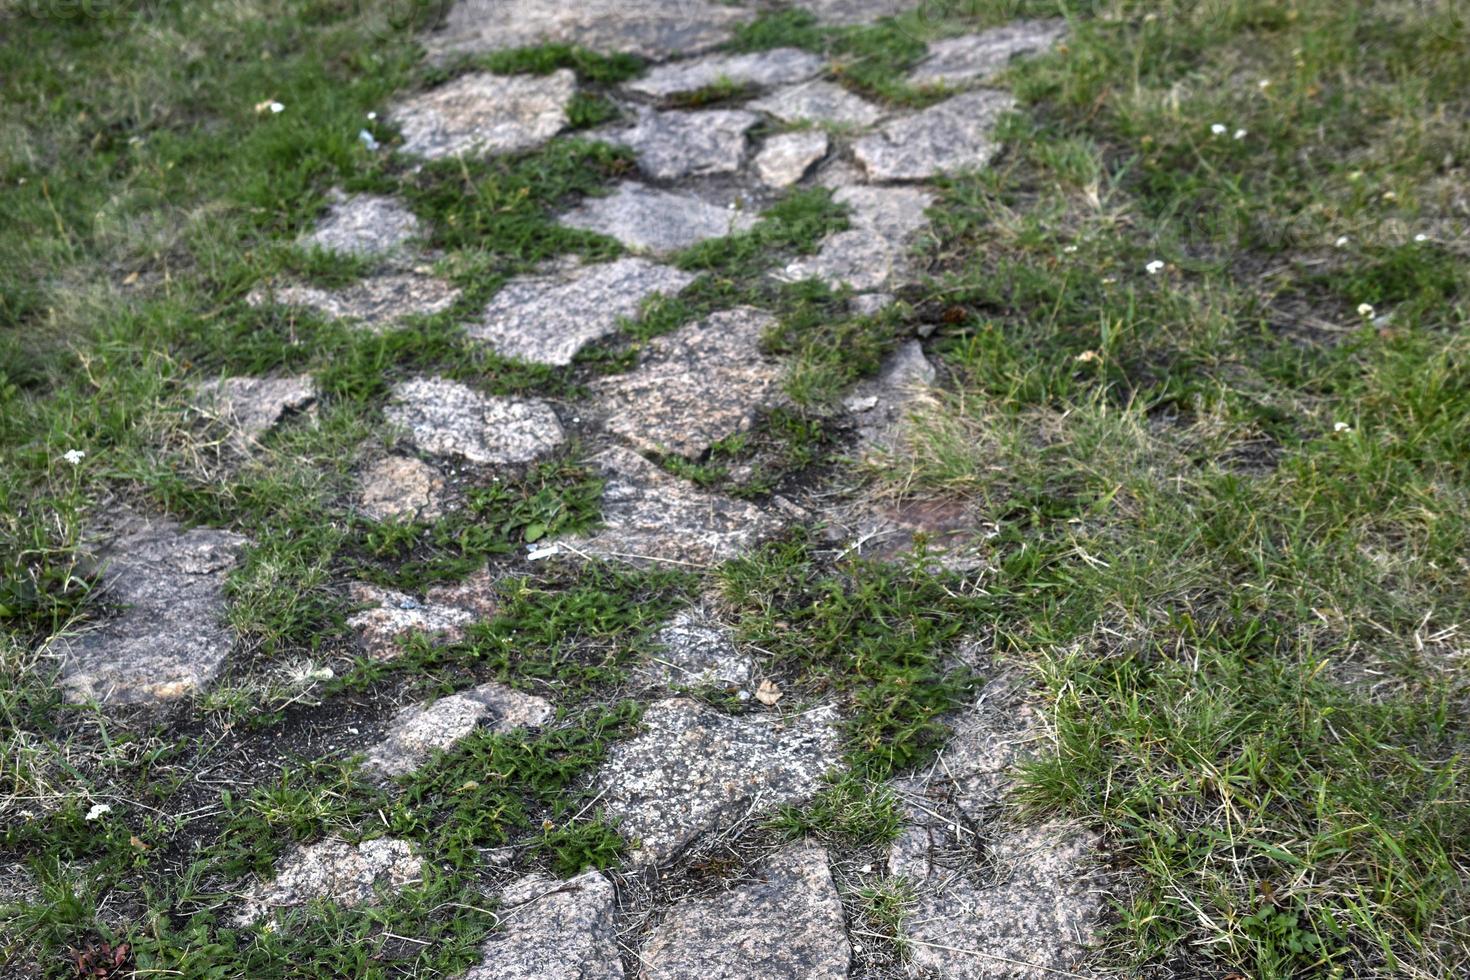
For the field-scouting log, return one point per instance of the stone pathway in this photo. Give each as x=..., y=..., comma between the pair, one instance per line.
x=992, y=898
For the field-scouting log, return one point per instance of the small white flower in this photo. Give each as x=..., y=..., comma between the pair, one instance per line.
x=866, y=869
x=1263, y=84
x=276, y=107
x=1365, y=309
x=1341, y=427
x=367, y=139
x=1154, y=267
x=1069, y=249
x=74, y=456
x=1218, y=129
x=1341, y=242
x=372, y=116
x=1421, y=237
x=98, y=809
x=1239, y=134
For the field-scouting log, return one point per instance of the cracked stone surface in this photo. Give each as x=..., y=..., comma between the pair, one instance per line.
x=956, y=60
x=401, y=487
x=446, y=418
x=418, y=730
x=687, y=143
x=548, y=319
x=786, y=157
x=778, y=66
x=818, y=101
x=655, y=29
x=442, y=613
x=251, y=407
x=849, y=12
x=554, y=930
x=874, y=251
x=694, y=770
x=696, y=386
x=170, y=637
x=653, y=517
x=785, y=922
x=1032, y=906
x=484, y=114
x=649, y=220
x=350, y=875
x=377, y=302
x=696, y=649
x=367, y=225
x=947, y=138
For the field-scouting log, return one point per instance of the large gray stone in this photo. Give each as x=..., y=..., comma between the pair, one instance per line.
x=484, y=114
x=1031, y=906
x=419, y=730
x=368, y=225
x=779, y=66
x=874, y=250
x=653, y=28
x=377, y=302
x=397, y=487
x=350, y=875
x=548, y=319
x=679, y=143
x=850, y=12
x=956, y=60
x=553, y=930
x=442, y=614
x=785, y=158
x=785, y=923
x=947, y=138
x=695, y=770
x=695, y=649
x=651, y=518
x=446, y=418
x=818, y=101
x=250, y=407
x=656, y=221
x=695, y=386
x=170, y=636
x=880, y=405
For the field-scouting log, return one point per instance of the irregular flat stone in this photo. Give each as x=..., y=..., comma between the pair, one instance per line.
x=548, y=319
x=947, y=138
x=554, y=930
x=679, y=143
x=874, y=250
x=1035, y=914
x=786, y=157
x=363, y=224
x=696, y=649
x=418, y=730
x=818, y=101
x=880, y=405
x=652, y=28
x=956, y=60
x=786, y=923
x=697, y=385
x=251, y=407
x=401, y=487
x=655, y=221
x=652, y=517
x=377, y=302
x=849, y=12
x=442, y=614
x=484, y=114
x=695, y=770
x=867, y=304
x=1031, y=907
x=170, y=637
x=347, y=874
x=778, y=66
x=446, y=418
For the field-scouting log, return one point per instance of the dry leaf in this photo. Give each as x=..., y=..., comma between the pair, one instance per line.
x=767, y=693
x=138, y=843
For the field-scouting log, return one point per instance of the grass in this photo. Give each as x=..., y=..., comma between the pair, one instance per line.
x=1211, y=390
